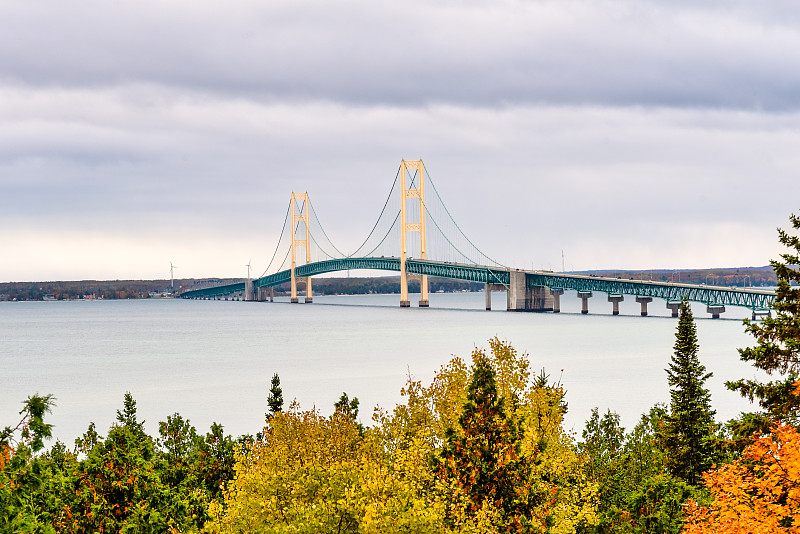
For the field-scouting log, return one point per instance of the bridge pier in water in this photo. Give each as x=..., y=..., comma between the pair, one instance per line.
x=520, y=297
x=615, y=300
x=675, y=307
x=644, y=301
x=584, y=296
x=557, y=299
x=488, y=293
x=715, y=310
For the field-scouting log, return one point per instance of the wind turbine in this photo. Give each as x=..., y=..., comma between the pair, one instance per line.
x=248, y=268
x=171, y=274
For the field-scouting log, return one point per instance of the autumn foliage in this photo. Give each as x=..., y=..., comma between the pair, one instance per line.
x=758, y=493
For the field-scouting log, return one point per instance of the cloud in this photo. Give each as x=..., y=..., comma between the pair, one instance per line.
x=629, y=134
x=615, y=187
x=734, y=54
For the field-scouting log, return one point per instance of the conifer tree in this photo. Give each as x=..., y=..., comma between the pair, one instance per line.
x=482, y=457
x=275, y=397
x=777, y=349
x=346, y=406
x=687, y=431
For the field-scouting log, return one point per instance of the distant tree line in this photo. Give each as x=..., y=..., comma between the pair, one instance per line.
x=734, y=277
x=136, y=289
x=100, y=289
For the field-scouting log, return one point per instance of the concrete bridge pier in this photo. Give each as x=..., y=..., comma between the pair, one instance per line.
x=262, y=294
x=715, y=310
x=520, y=297
x=541, y=299
x=585, y=296
x=249, y=294
x=557, y=299
x=644, y=301
x=488, y=293
x=517, y=296
x=615, y=299
x=675, y=307
x=761, y=313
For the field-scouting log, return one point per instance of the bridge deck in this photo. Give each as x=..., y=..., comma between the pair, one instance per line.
x=711, y=295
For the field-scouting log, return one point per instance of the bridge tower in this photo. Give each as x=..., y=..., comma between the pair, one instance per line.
x=418, y=193
x=305, y=243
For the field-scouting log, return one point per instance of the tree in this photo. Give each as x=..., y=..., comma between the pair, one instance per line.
x=635, y=495
x=32, y=428
x=275, y=397
x=346, y=406
x=778, y=347
x=481, y=460
x=687, y=433
x=758, y=493
x=119, y=487
x=127, y=417
x=303, y=476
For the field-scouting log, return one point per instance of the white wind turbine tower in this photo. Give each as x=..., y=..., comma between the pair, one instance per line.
x=248, y=268
x=172, y=274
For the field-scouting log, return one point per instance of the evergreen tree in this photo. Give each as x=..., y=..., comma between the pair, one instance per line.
x=777, y=349
x=127, y=417
x=275, y=397
x=482, y=458
x=687, y=433
x=346, y=406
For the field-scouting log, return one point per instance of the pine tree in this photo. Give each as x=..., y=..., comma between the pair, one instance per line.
x=777, y=349
x=275, y=397
x=687, y=431
x=482, y=457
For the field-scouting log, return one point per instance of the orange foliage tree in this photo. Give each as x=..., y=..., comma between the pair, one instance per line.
x=759, y=493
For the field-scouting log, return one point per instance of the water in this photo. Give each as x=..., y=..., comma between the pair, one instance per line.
x=213, y=360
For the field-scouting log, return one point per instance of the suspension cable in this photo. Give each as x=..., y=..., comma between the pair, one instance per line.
x=391, y=190
x=286, y=218
x=313, y=212
x=457, y=226
x=385, y=236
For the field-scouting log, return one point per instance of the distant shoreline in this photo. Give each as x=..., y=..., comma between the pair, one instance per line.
x=139, y=289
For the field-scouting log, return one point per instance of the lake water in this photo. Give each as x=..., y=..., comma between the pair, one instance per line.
x=213, y=360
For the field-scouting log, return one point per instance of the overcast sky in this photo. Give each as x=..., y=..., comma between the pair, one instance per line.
x=629, y=134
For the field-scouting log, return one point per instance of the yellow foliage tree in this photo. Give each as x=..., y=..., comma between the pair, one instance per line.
x=315, y=474
x=757, y=494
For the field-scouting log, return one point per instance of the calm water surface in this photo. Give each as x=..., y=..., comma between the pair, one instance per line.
x=213, y=360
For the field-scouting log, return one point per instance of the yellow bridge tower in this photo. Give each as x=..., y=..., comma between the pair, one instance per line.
x=306, y=243
x=417, y=193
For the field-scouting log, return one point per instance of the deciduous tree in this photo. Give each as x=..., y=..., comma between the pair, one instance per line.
x=756, y=494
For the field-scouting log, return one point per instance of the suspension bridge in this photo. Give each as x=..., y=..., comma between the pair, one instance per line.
x=416, y=235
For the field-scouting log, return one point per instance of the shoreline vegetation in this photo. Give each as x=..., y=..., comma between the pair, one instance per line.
x=137, y=289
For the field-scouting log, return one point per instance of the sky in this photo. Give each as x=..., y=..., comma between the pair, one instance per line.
x=624, y=134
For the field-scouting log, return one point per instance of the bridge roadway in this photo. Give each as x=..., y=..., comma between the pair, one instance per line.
x=527, y=290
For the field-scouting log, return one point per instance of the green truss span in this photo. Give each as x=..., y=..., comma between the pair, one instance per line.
x=713, y=296
x=750, y=298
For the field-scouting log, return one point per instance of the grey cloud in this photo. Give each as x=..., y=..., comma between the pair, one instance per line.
x=741, y=55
